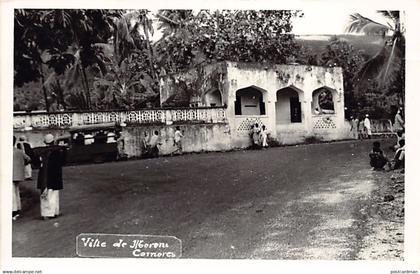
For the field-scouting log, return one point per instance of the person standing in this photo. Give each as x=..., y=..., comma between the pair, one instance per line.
x=368, y=126
x=264, y=135
x=19, y=161
x=255, y=136
x=361, y=128
x=153, y=144
x=178, y=140
x=27, y=149
x=354, y=129
x=50, y=178
x=398, y=122
x=145, y=144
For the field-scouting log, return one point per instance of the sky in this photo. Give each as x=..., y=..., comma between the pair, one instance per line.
x=329, y=22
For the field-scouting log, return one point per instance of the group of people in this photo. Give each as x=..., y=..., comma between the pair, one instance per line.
x=50, y=178
x=378, y=159
x=151, y=144
x=361, y=129
x=259, y=136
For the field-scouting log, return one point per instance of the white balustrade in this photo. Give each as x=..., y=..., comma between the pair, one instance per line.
x=147, y=116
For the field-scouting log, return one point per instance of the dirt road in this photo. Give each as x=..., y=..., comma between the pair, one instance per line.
x=298, y=202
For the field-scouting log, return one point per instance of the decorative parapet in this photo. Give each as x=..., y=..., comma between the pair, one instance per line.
x=147, y=116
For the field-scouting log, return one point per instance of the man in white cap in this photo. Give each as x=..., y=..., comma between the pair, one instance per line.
x=367, y=125
x=50, y=178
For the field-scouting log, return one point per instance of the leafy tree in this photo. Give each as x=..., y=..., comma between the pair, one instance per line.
x=32, y=39
x=62, y=40
x=342, y=54
x=69, y=50
x=246, y=36
x=130, y=78
x=126, y=85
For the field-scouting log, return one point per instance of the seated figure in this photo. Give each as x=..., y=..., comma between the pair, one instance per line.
x=377, y=158
x=399, y=156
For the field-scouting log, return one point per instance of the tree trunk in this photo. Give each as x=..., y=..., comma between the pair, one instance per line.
x=44, y=90
x=86, y=84
x=149, y=51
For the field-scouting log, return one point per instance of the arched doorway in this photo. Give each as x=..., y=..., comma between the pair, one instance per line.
x=288, y=106
x=249, y=101
x=213, y=98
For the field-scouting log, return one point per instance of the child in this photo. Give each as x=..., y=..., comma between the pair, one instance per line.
x=178, y=140
x=377, y=158
x=255, y=136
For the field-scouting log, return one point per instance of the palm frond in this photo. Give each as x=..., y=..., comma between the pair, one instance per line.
x=361, y=24
x=371, y=68
x=383, y=68
x=394, y=15
x=392, y=67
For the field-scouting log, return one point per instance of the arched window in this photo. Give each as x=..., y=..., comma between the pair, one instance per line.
x=323, y=100
x=249, y=101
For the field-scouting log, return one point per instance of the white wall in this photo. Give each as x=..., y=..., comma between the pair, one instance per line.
x=283, y=109
x=250, y=103
x=276, y=77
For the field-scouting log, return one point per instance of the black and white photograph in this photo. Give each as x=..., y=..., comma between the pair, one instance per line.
x=261, y=134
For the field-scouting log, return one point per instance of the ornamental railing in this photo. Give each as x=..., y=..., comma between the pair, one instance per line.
x=39, y=120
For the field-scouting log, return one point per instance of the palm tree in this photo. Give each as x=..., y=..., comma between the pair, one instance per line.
x=128, y=28
x=387, y=67
x=80, y=30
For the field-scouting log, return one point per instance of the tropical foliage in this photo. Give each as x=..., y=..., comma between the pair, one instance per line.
x=248, y=36
x=386, y=68
x=50, y=43
x=102, y=59
x=107, y=59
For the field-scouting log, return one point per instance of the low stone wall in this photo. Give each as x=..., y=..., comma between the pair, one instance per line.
x=197, y=137
x=204, y=137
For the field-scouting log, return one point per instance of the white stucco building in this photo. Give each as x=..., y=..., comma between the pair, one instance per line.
x=294, y=102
